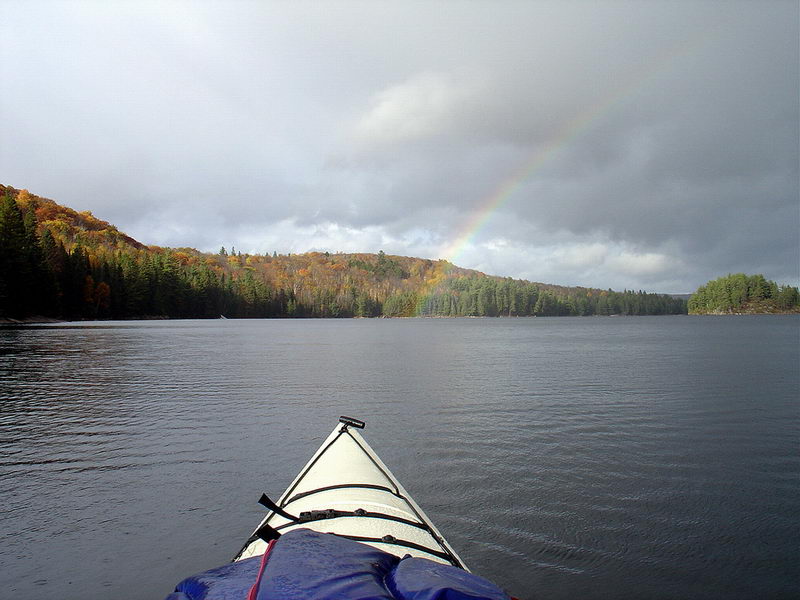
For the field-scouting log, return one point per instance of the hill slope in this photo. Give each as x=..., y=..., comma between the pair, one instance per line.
x=62, y=263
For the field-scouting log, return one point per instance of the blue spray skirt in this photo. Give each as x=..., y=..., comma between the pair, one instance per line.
x=308, y=565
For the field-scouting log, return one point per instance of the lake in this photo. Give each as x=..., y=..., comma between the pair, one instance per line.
x=625, y=457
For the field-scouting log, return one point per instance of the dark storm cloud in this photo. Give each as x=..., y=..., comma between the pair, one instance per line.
x=670, y=130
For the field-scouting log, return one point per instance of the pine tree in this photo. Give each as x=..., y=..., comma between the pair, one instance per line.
x=16, y=275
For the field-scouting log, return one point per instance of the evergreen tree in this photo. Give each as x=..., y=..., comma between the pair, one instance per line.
x=24, y=284
x=14, y=275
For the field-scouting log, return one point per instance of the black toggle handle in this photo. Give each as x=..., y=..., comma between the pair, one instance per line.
x=358, y=424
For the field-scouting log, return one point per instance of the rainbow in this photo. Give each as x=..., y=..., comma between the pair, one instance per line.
x=569, y=131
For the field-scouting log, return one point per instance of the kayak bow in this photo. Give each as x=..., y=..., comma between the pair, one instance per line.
x=346, y=489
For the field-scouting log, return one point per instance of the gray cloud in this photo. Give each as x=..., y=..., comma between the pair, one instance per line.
x=661, y=138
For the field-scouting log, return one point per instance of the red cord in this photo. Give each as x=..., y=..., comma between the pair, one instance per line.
x=254, y=590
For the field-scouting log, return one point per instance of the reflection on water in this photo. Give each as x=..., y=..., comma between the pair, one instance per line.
x=629, y=457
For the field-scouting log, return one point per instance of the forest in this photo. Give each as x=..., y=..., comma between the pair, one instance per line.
x=59, y=263
x=740, y=293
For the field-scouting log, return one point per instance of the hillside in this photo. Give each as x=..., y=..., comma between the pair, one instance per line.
x=744, y=294
x=61, y=263
x=69, y=226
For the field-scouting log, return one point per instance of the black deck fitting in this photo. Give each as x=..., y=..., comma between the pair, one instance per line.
x=358, y=424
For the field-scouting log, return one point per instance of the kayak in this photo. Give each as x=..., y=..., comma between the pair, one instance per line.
x=344, y=528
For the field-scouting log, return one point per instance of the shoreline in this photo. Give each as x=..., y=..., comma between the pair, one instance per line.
x=29, y=320
x=9, y=322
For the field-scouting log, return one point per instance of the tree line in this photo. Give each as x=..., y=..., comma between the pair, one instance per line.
x=55, y=262
x=494, y=297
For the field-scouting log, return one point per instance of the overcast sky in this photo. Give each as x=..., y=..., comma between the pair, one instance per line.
x=644, y=145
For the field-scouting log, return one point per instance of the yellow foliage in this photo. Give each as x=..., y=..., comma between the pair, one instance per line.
x=24, y=199
x=56, y=226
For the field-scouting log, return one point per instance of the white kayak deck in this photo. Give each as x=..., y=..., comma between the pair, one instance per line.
x=346, y=489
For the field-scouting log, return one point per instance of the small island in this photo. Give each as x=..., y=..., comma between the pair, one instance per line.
x=742, y=294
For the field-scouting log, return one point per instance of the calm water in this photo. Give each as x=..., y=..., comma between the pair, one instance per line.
x=563, y=458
